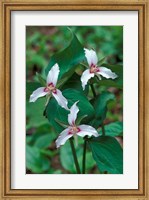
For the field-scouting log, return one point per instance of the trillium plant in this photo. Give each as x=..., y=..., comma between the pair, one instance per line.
x=76, y=108
x=94, y=69
x=73, y=129
x=50, y=88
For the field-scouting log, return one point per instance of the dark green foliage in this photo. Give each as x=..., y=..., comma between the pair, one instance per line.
x=113, y=129
x=54, y=111
x=46, y=46
x=35, y=161
x=108, y=154
x=100, y=106
x=68, y=58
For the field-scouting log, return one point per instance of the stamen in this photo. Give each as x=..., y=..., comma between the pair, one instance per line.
x=74, y=130
x=94, y=69
x=51, y=88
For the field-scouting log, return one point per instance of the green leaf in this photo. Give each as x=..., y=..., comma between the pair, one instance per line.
x=35, y=59
x=34, y=113
x=41, y=131
x=33, y=38
x=100, y=106
x=113, y=129
x=41, y=79
x=52, y=113
x=55, y=111
x=108, y=154
x=28, y=139
x=90, y=162
x=65, y=78
x=110, y=83
x=74, y=82
x=100, y=62
x=67, y=159
x=53, y=171
x=47, y=152
x=35, y=161
x=43, y=141
x=61, y=123
x=79, y=119
x=68, y=58
x=85, y=107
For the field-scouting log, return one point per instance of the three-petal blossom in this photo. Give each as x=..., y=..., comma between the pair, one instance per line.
x=51, y=88
x=73, y=129
x=94, y=69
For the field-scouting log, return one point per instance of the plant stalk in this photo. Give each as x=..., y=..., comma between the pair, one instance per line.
x=93, y=90
x=103, y=129
x=84, y=156
x=74, y=156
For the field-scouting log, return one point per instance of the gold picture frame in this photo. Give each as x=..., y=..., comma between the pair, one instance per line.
x=5, y=77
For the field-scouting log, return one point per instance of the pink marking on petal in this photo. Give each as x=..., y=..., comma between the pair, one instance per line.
x=98, y=70
x=54, y=91
x=50, y=84
x=92, y=65
x=69, y=132
x=46, y=89
x=78, y=129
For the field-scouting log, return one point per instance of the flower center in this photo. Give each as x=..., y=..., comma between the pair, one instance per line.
x=94, y=68
x=50, y=88
x=74, y=130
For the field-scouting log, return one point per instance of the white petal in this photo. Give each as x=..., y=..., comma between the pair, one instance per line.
x=53, y=75
x=63, y=137
x=62, y=101
x=87, y=130
x=85, y=77
x=91, y=56
x=37, y=93
x=107, y=73
x=73, y=113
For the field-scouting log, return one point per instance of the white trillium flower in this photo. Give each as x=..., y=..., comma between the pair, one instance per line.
x=73, y=129
x=93, y=70
x=51, y=88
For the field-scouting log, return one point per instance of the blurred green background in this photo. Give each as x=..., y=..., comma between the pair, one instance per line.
x=41, y=43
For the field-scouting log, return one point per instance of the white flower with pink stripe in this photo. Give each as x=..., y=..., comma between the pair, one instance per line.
x=94, y=69
x=51, y=88
x=73, y=129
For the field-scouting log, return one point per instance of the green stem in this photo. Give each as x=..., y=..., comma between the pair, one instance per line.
x=74, y=156
x=93, y=90
x=84, y=65
x=103, y=129
x=46, y=104
x=84, y=156
x=94, y=93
